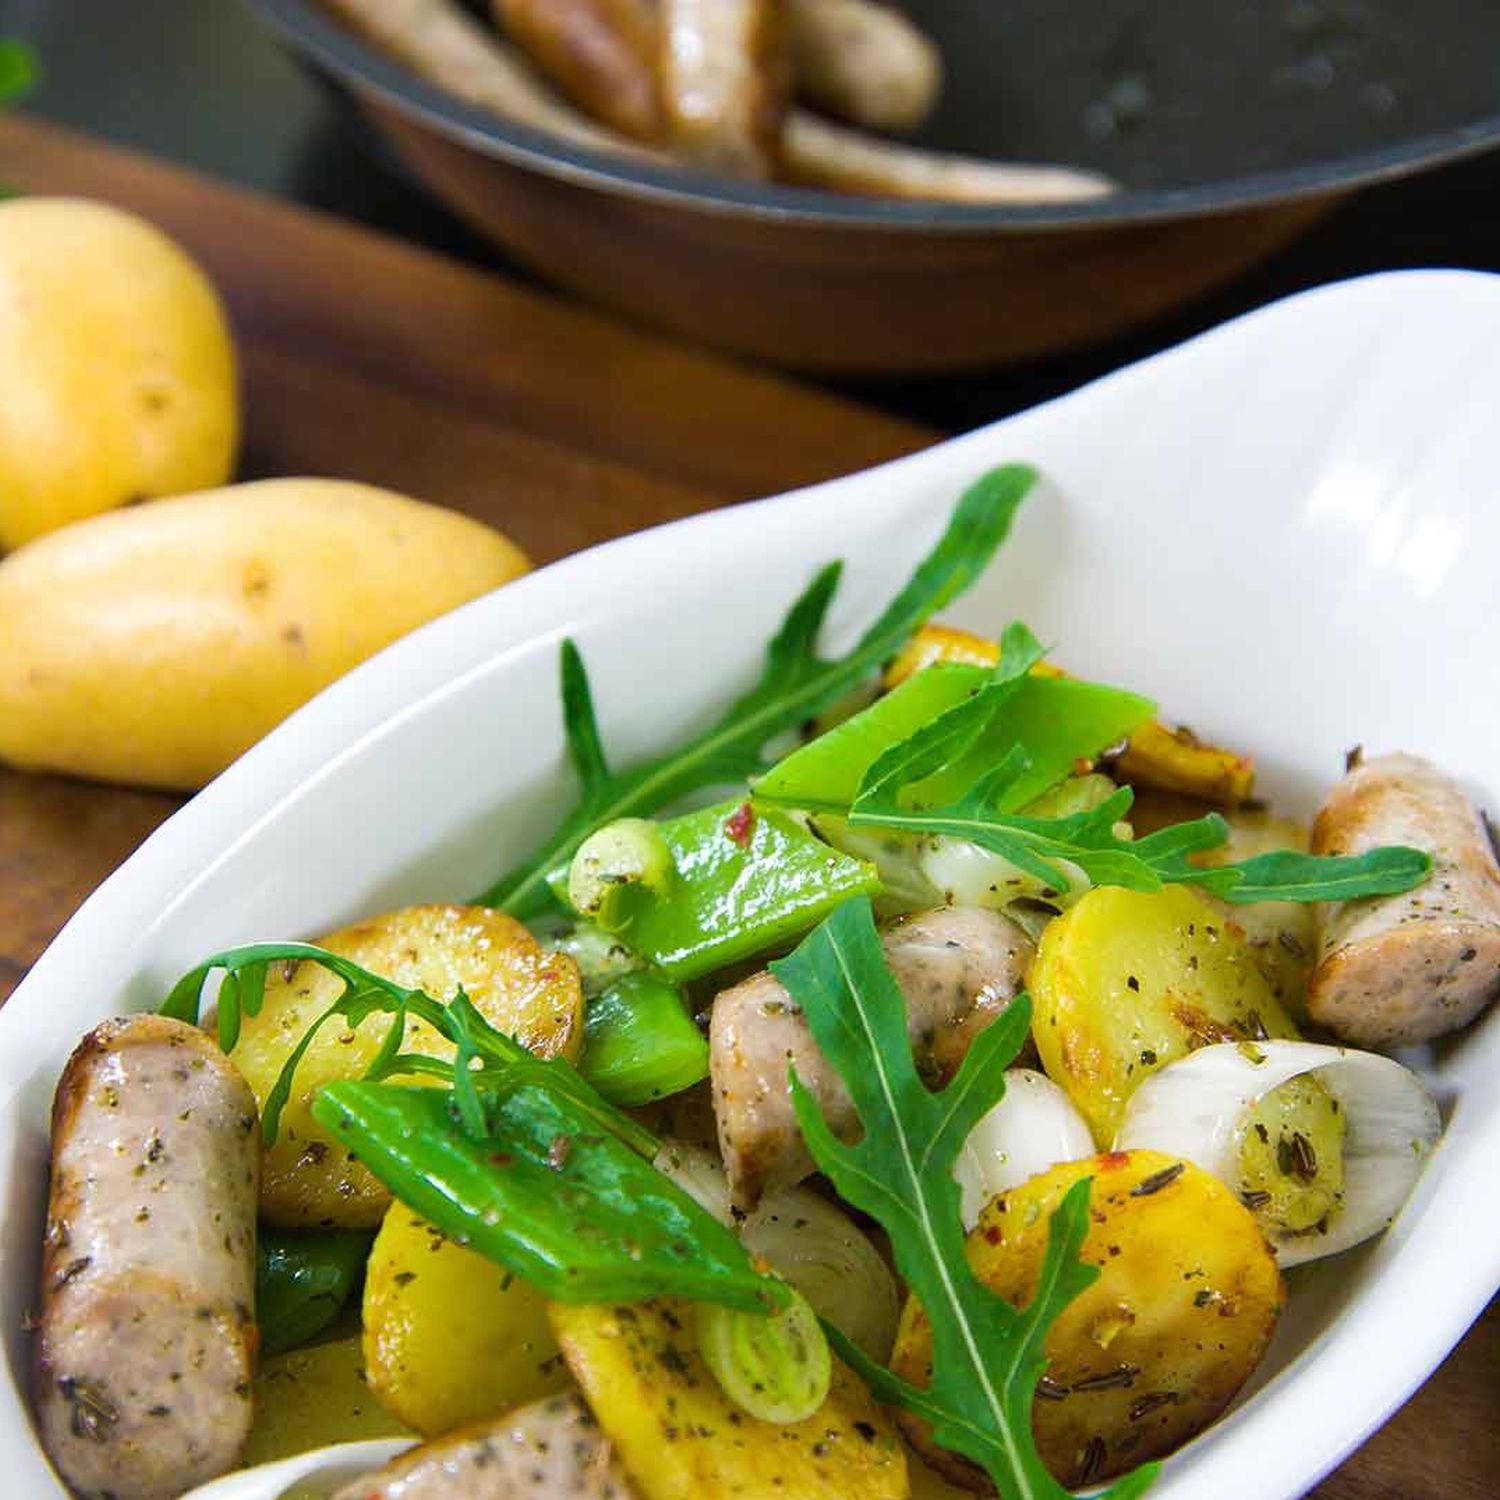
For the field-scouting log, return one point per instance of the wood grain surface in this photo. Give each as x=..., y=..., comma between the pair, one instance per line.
x=369, y=359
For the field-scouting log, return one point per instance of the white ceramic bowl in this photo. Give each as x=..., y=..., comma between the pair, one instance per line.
x=1287, y=531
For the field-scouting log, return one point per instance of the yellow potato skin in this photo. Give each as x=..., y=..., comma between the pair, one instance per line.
x=1186, y=1302
x=154, y=645
x=450, y=1337
x=308, y=1180
x=1127, y=981
x=117, y=369
x=307, y=1398
x=679, y=1436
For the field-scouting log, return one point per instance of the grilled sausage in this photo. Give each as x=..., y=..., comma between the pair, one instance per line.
x=1399, y=969
x=443, y=43
x=725, y=81
x=958, y=968
x=864, y=62
x=820, y=153
x=600, y=53
x=144, y=1353
x=550, y=1450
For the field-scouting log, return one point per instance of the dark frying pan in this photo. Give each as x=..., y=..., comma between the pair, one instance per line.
x=1231, y=128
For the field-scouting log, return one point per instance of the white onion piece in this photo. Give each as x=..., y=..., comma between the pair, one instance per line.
x=808, y=1242
x=1195, y=1108
x=1034, y=1126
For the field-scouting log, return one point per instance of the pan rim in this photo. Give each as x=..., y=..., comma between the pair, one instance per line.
x=369, y=72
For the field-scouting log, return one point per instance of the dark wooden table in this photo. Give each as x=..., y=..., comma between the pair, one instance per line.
x=564, y=429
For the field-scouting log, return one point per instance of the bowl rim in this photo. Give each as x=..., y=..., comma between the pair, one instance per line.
x=337, y=51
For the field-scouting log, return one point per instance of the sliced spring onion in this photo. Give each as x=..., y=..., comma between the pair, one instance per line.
x=1034, y=1126
x=776, y=1366
x=630, y=852
x=640, y=1043
x=602, y=957
x=1205, y=1107
x=809, y=1242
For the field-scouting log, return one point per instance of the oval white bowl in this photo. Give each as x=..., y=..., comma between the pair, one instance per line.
x=1286, y=531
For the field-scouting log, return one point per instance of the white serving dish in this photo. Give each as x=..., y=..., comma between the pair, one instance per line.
x=1287, y=531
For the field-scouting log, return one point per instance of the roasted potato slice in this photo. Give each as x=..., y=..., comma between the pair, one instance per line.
x=933, y=644
x=535, y=996
x=679, y=1436
x=1184, y=1307
x=310, y=1397
x=1176, y=760
x=1281, y=934
x=451, y=1337
x=1127, y=981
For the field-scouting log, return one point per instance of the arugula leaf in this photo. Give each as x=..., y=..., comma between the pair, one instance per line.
x=946, y=738
x=1057, y=850
x=795, y=684
x=1286, y=875
x=18, y=70
x=366, y=993
x=987, y=1355
x=1058, y=721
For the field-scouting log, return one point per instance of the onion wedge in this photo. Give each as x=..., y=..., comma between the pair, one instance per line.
x=808, y=1242
x=1034, y=1126
x=1200, y=1107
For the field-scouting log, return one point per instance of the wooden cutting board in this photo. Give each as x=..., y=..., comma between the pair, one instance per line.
x=368, y=359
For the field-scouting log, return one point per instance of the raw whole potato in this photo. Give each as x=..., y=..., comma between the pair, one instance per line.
x=451, y=1337
x=310, y=1397
x=308, y=1180
x=117, y=372
x=1127, y=981
x=155, y=644
x=1183, y=1310
x=679, y=1437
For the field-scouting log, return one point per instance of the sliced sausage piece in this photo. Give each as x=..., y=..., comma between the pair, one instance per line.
x=958, y=967
x=602, y=54
x=1393, y=970
x=864, y=62
x=146, y=1345
x=550, y=1450
x=725, y=80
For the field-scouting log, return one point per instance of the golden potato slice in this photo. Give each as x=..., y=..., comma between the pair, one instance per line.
x=934, y=643
x=451, y=1337
x=1184, y=1307
x=1127, y=981
x=535, y=996
x=680, y=1437
x=1280, y=934
x=1176, y=760
x=310, y=1397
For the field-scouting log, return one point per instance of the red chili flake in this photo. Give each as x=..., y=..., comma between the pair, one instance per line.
x=1112, y=1161
x=740, y=823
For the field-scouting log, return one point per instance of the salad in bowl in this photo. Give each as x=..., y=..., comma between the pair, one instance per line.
x=925, y=1075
